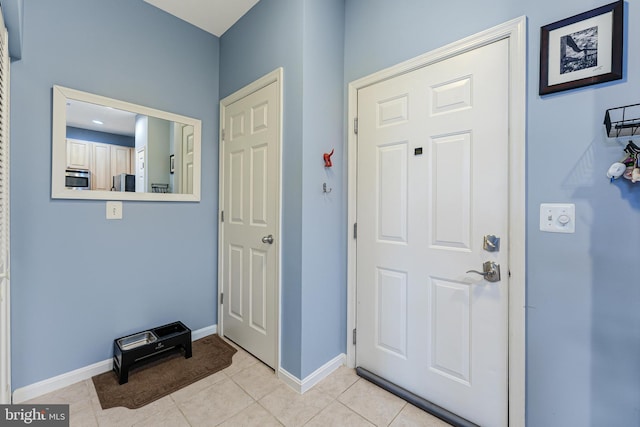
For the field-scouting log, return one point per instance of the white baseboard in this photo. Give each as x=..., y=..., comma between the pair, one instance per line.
x=52, y=384
x=204, y=332
x=318, y=375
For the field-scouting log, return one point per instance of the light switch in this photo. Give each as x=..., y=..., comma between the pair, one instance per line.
x=558, y=217
x=114, y=210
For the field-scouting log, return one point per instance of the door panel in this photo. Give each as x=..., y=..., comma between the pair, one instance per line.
x=101, y=170
x=392, y=191
x=450, y=329
x=188, y=147
x=259, y=289
x=251, y=203
x=120, y=160
x=259, y=181
x=391, y=311
x=432, y=175
x=451, y=192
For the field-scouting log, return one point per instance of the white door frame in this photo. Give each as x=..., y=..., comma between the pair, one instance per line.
x=275, y=76
x=515, y=32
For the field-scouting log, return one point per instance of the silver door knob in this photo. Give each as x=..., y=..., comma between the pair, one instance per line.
x=268, y=239
x=490, y=271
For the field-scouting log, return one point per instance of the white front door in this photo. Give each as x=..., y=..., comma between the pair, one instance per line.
x=250, y=227
x=432, y=181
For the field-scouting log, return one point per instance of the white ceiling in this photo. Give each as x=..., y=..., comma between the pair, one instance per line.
x=82, y=115
x=213, y=16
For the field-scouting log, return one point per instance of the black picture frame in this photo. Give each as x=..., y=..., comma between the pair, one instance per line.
x=172, y=164
x=583, y=50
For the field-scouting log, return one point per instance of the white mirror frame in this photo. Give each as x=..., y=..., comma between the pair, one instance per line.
x=59, y=149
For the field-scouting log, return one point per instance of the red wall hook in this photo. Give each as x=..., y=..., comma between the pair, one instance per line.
x=327, y=159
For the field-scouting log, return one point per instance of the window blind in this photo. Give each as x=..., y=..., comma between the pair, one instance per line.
x=5, y=351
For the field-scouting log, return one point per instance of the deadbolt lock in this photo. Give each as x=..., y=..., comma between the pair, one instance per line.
x=491, y=243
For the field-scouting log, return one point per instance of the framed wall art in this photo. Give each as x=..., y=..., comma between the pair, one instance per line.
x=582, y=50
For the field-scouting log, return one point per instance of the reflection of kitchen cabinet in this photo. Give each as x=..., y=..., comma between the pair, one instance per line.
x=78, y=154
x=101, y=167
x=103, y=160
x=120, y=160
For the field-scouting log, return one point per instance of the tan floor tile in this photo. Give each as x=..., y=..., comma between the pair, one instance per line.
x=257, y=380
x=215, y=404
x=412, y=416
x=82, y=415
x=189, y=391
x=119, y=416
x=229, y=397
x=165, y=417
x=74, y=393
x=375, y=404
x=241, y=360
x=253, y=416
x=292, y=408
x=339, y=381
x=338, y=415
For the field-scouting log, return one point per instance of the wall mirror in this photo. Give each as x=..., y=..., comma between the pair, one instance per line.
x=106, y=149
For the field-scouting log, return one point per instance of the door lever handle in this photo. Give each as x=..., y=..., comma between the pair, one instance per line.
x=268, y=239
x=491, y=271
x=482, y=273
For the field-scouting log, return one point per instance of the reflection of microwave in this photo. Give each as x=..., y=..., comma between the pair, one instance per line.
x=124, y=182
x=77, y=179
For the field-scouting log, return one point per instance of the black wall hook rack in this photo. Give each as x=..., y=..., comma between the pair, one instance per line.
x=623, y=121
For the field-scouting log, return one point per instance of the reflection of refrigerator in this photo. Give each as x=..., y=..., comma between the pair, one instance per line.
x=124, y=182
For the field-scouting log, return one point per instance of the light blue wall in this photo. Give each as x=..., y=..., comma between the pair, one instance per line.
x=583, y=299
x=78, y=280
x=324, y=255
x=307, y=39
x=96, y=136
x=12, y=11
x=268, y=37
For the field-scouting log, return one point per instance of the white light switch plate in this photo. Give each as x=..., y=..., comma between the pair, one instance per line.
x=114, y=210
x=558, y=217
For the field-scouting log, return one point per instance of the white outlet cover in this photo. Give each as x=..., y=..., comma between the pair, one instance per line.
x=114, y=210
x=558, y=217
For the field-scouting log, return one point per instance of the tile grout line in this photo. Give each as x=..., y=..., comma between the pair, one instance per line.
x=399, y=412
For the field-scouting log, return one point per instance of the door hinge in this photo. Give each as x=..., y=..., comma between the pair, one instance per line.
x=355, y=125
x=355, y=230
x=223, y=134
x=221, y=216
x=221, y=299
x=354, y=336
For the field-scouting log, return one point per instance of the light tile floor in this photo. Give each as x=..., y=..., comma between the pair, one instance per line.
x=247, y=393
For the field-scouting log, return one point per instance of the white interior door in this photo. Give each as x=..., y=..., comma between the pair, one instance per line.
x=141, y=186
x=250, y=238
x=187, y=160
x=432, y=181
